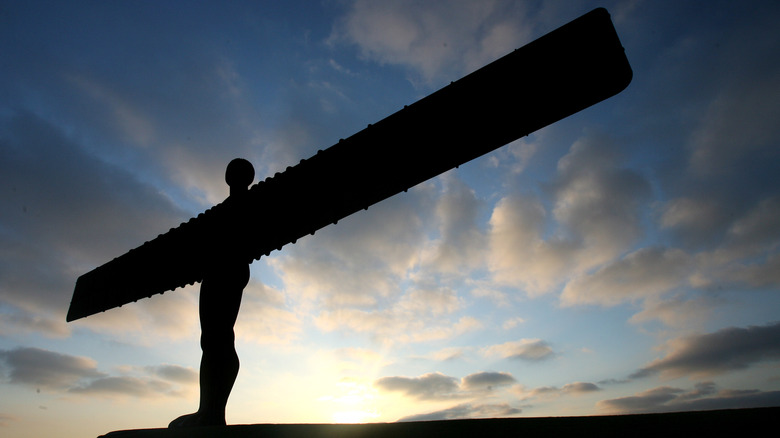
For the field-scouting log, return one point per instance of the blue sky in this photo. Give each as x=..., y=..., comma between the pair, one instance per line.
x=622, y=260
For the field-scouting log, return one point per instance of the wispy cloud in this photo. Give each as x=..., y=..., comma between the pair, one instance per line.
x=525, y=349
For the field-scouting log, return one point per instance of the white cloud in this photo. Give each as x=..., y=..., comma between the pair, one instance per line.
x=512, y=323
x=596, y=217
x=264, y=317
x=461, y=246
x=361, y=260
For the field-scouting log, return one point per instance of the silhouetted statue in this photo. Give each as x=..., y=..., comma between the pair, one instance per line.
x=559, y=74
x=220, y=298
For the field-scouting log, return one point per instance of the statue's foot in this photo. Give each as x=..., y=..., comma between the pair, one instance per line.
x=196, y=420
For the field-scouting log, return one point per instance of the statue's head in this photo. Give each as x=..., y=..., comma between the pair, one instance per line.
x=239, y=175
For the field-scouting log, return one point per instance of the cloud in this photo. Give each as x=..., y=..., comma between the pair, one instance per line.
x=468, y=410
x=579, y=388
x=433, y=39
x=265, y=317
x=126, y=386
x=360, y=260
x=676, y=311
x=173, y=315
x=16, y=320
x=574, y=388
x=437, y=386
x=512, y=323
x=644, y=273
x=745, y=258
x=39, y=368
x=431, y=386
x=448, y=354
x=728, y=349
x=595, y=216
x=533, y=350
x=391, y=325
x=174, y=373
x=43, y=369
x=722, y=155
x=486, y=380
x=461, y=246
x=705, y=396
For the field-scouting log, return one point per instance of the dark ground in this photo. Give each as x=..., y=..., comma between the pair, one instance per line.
x=732, y=422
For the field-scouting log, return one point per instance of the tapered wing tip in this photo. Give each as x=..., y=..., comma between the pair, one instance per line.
x=72, y=315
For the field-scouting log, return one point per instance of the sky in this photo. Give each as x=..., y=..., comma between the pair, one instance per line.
x=623, y=260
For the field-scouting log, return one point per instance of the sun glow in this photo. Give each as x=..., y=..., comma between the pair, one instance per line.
x=354, y=416
x=354, y=402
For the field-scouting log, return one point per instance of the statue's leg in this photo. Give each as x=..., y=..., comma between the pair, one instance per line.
x=220, y=299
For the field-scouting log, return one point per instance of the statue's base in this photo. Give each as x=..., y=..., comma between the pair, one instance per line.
x=733, y=422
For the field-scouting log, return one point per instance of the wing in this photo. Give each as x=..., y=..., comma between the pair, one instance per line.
x=559, y=74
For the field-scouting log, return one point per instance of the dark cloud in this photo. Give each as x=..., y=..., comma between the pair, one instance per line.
x=43, y=369
x=437, y=386
x=467, y=410
x=38, y=368
x=128, y=386
x=486, y=380
x=575, y=388
x=649, y=400
x=580, y=387
x=729, y=349
x=174, y=373
x=427, y=386
x=703, y=397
